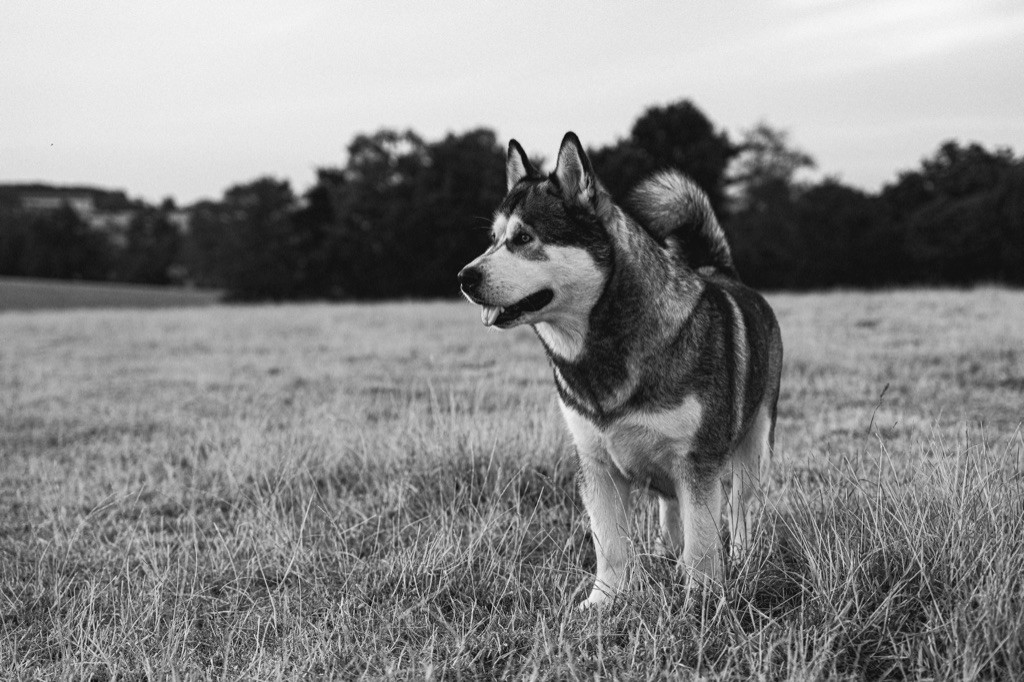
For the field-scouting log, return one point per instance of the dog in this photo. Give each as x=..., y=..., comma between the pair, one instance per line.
x=667, y=367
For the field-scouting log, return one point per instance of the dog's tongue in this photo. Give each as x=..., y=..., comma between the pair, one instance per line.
x=488, y=314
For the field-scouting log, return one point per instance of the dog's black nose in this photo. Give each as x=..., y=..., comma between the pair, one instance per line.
x=470, y=278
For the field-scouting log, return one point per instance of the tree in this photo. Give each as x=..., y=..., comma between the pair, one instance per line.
x=400, y=218
x=765, y=161
x=764, y=228
x=847, y=238
x=953, y=172
x=61, y=245
x=455, y=196
x=151, y=249
x=205, y=252
x=13, y=236
x=404, y=211
x=948, y=214
x=373, y=204
x=315, y=240
x=676, y=135
x=1008, y=210
x=952, y=241
x=257, y=240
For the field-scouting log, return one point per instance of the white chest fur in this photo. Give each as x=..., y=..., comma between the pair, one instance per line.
x=639, y=444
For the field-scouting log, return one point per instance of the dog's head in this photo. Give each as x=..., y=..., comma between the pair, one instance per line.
x=550, y=252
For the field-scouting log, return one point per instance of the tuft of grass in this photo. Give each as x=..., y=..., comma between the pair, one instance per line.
x=387, y=491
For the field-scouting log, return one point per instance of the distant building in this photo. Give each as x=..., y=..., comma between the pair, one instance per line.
x=108, y=211
x=82, y=204
x=84, y=200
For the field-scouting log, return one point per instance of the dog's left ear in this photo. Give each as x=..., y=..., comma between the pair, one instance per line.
x=574, y=172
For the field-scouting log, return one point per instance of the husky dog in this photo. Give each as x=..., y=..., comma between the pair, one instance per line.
x=667, y=367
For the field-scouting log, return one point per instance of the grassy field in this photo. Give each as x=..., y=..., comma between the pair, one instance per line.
x=388, y=491
x=26, y=293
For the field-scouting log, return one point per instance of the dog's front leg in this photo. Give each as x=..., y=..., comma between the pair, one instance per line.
x=700, y=499
x=605, y=493
x=670, y=539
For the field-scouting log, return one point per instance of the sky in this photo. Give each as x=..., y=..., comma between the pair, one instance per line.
x=185, y=99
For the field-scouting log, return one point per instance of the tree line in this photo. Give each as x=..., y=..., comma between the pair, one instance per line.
x=403, y=214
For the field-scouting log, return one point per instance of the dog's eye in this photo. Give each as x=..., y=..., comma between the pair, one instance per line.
x=522, y=238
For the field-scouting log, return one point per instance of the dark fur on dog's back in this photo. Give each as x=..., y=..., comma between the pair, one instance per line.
x=677, y=213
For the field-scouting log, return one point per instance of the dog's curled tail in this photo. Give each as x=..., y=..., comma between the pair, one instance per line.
x=676, y=212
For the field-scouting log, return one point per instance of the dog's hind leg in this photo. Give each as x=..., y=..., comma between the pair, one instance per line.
x=750, y=455
x=605, y=493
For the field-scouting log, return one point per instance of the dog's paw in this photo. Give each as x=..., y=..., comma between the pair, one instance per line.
x=596, y=600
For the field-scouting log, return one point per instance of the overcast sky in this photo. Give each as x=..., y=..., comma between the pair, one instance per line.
x=187, y=98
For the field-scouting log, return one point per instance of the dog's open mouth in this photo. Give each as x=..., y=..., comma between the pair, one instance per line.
x=503, y=317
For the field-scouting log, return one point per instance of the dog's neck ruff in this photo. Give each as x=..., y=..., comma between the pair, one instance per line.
x=562, y=341
x=645, y=301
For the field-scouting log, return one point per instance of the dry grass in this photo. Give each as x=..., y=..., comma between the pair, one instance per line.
x=387, y=491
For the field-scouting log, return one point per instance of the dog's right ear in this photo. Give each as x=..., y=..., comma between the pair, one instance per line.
x=517, y=165
x=574, y=172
